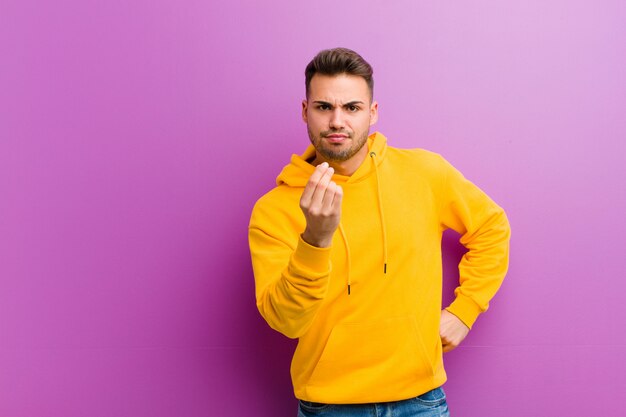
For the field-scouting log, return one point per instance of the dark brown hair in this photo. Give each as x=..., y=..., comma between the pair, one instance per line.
x=339, y=61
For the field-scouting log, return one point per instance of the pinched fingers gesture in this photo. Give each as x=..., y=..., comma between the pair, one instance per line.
x=321, y=205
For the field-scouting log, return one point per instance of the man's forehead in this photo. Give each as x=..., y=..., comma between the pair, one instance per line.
x=341, y=88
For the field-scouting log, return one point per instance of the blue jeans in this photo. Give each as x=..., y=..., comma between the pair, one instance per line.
x=431, y=404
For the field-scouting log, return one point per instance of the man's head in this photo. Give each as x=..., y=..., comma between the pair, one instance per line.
x=338, y=61
x=339, y=106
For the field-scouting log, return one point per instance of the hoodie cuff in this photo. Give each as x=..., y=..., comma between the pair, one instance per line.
x=465, y=309
x=310, y=261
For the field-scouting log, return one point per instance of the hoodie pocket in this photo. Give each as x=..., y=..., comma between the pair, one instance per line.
x=386, y=355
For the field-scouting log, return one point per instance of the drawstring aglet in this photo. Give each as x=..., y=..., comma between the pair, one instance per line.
x=348, y=289
x=385, y=268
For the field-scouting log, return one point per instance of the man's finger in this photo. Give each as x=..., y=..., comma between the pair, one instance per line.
x=329, y=196
x=322, y=186
x=314, y=179
x=338, y=197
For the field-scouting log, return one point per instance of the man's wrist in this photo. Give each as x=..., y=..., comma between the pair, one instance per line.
x=313, y=241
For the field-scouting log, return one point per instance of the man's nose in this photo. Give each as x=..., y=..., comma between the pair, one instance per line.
x=337, y=120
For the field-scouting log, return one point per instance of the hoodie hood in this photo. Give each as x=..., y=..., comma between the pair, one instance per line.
x=297, y=173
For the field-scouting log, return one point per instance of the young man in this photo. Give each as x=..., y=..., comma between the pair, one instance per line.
x=346, y=253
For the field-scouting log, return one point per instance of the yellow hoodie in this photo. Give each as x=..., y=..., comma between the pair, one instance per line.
x=366, y=310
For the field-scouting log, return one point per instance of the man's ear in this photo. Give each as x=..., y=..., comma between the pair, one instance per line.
x=373, y=113
x=305, y=105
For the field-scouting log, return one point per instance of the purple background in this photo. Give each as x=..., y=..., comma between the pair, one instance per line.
x=136, y=136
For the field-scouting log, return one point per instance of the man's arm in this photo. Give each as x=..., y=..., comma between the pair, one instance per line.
x=292, y=282
x=485, y=232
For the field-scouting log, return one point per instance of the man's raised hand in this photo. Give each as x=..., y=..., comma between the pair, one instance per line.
x=321, y=205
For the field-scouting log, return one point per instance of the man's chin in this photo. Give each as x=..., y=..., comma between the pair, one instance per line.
x=338, y=151
x=336, y=156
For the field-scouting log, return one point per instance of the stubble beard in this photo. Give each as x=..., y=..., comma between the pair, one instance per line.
x=339, y=155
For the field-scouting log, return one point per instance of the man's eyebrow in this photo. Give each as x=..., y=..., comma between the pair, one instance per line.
x=350, y=103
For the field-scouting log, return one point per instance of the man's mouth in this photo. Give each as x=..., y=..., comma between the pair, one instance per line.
x=336, y=137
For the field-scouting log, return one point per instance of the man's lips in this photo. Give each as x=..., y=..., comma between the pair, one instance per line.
x=336, y=137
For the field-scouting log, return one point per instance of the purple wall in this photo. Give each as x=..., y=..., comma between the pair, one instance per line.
x=136, y=136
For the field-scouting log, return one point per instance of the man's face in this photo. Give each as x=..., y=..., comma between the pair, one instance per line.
x=338, y=114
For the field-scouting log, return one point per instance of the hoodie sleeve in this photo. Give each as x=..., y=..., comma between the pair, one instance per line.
x=485, y=232
x=291, y=282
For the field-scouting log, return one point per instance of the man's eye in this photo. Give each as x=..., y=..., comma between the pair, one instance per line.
x=353, y=108
x=324, y=107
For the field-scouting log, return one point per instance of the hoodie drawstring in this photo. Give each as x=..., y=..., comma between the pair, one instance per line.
x=345, y=242
x=380, y=211
x=382, y=224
